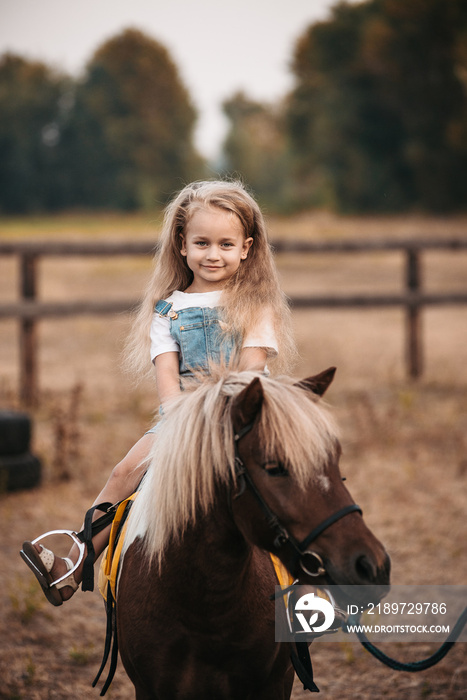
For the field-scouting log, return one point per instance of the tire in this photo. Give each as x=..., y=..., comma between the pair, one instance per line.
x=15, y=433
x=19, y=472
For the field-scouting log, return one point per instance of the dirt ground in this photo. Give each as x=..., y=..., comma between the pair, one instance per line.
x=404, y=450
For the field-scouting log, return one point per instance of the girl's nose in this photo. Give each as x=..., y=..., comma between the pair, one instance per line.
x=213, y=253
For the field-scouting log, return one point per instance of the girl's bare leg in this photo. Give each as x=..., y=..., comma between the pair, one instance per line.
x=122, y=482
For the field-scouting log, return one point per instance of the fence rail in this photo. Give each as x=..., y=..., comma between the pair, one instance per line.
x=29, y=310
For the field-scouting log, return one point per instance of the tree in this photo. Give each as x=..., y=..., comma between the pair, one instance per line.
x=255, y=147
x=130, y=136
x=30, y=109
x=414, y=52
x=122, y=136
x=378, y=114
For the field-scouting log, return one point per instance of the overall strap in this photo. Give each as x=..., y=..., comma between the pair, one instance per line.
x=163, y=307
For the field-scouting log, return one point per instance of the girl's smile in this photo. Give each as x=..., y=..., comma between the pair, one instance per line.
x=214, y=245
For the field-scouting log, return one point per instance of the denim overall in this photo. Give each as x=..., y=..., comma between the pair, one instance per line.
x=198, y=332
x=199, y=335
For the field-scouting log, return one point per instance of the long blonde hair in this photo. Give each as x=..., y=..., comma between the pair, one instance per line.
x=252, y=290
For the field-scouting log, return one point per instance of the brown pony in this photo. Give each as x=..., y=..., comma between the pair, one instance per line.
x=244, y=465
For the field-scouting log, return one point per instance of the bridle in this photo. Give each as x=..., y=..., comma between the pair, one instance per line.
x=310, y=562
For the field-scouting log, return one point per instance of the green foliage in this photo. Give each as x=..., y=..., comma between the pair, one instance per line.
x=121, y=137
x=134, y=122
x=26, y=598
x=256, y=148
x=378, y=115
x=377, y=121
x=30, y=111
x=81, y=654
x=30, y=672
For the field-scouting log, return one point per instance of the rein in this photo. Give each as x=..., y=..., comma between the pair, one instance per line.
x=311, y=562
x=410, y=666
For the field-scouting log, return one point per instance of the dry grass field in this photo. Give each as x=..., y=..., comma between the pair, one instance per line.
x=404, y=442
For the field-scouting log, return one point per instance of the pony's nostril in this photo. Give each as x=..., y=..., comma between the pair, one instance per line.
x=364, y=568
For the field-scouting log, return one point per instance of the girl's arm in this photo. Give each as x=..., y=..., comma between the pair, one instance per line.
x=252, y=359
x=167, y=376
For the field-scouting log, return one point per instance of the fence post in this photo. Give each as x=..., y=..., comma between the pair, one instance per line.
x=28, y=334
x=414, y=321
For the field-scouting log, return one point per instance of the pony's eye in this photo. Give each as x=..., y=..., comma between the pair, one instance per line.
x=275, y=469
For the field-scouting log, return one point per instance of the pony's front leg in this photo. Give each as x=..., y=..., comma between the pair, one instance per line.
x=142, y=694
x=280, y=682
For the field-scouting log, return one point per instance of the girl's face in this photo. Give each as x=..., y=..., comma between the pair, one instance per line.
x=214, y=245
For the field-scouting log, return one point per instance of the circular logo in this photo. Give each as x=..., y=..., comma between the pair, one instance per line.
x=311, y=603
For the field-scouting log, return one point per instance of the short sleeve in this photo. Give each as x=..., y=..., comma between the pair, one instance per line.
x=263, y=336
x=161, y=339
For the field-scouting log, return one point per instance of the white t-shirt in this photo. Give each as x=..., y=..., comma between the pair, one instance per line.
x=262, y=336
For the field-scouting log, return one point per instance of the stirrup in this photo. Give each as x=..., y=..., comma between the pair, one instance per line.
x=76, y=540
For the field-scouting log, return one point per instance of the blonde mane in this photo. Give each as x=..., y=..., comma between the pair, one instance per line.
x=194, y=451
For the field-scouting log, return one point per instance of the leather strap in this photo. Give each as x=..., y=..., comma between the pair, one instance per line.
x=90, y=529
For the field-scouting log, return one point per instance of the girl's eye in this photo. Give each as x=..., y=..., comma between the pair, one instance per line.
x=275, y=469
x=200, y=243
x=227, y=245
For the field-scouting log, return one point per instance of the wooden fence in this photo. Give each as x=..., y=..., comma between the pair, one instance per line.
x=29, y=309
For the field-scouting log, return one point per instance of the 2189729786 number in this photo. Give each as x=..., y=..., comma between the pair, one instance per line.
x=407, y=608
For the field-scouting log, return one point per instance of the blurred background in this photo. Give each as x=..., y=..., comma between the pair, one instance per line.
x=354, y=106
x=348, y=121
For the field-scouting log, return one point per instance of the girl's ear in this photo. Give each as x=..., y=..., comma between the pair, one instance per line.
x=247, y=243
x=183, y=244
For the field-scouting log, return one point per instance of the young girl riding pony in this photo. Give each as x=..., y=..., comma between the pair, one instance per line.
x=214, y=298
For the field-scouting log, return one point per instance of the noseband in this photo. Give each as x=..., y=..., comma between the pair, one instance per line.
x=310, y=562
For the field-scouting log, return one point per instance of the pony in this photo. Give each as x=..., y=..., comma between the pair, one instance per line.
x=244, y=465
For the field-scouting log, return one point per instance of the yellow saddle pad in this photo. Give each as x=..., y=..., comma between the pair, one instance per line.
x=284, y=577
x=108, y=570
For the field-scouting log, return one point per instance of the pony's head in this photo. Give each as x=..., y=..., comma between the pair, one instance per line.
x=305, y=514
x=291, y=452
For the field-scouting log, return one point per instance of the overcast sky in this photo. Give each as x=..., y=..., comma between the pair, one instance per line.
x=219, y=47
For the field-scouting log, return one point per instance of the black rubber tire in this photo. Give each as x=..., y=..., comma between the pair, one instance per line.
x=15, y=433
x=19, y=472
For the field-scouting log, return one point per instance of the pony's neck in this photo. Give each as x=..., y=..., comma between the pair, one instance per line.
x=224, y=546
x=214, y=556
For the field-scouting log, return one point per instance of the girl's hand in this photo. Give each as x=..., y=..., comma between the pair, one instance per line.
x=167, y=376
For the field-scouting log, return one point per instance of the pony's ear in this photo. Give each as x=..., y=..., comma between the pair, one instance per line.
x=319, y=383
x=247, y=404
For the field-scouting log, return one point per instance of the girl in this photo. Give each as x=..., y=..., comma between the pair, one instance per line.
x=214, y=297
